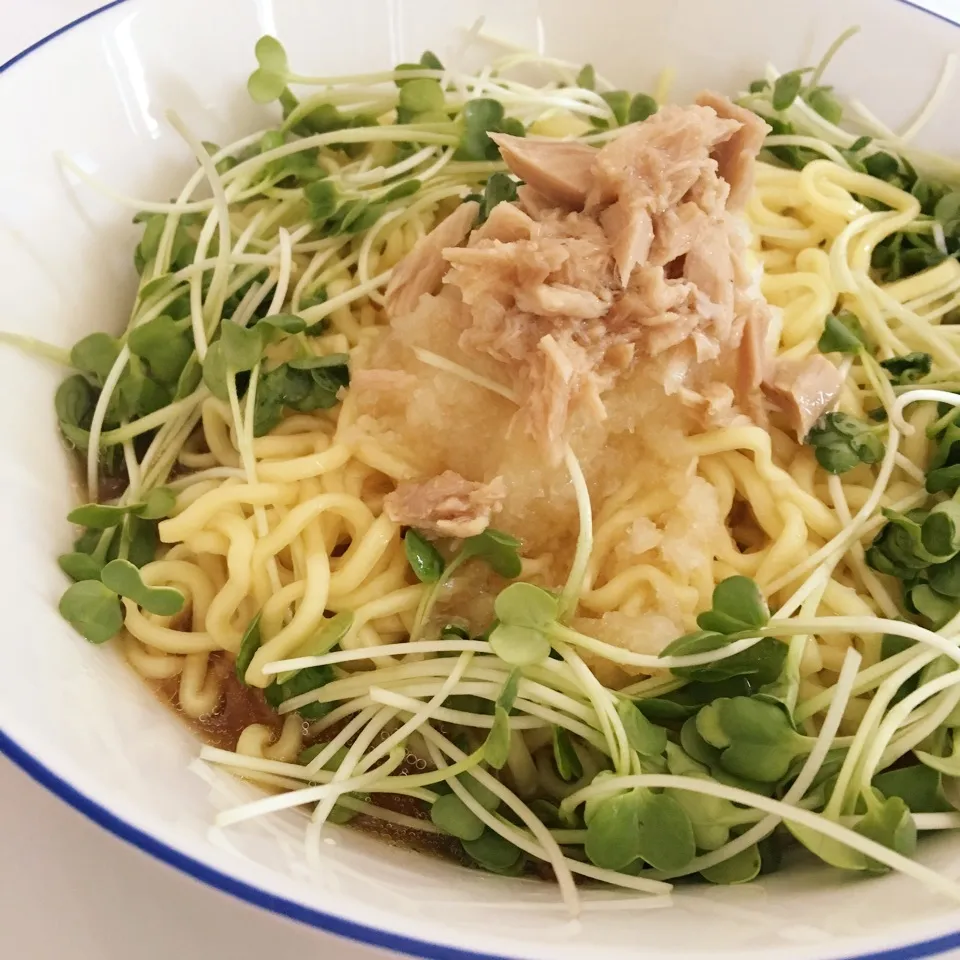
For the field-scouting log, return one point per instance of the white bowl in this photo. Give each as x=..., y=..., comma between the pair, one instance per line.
x=76, y=717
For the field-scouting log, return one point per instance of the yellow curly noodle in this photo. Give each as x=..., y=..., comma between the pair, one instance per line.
x=814, y=240
x=318, y=493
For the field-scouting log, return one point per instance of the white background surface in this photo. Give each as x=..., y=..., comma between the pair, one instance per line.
x=69, y=890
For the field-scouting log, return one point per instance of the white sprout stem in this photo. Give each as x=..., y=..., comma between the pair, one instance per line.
x=840, y=797
x=151, y=421
x=347, y=770
x=448, y=366
x=297, y=798
x=934, y=100
x=917, y=396
x=350, y=730
x=611, y=726
x=99, y=415
x=896, y=717
x=420, y=717
x=570, y=594
x=215, y=295
x=387, y=649
x=37, y=348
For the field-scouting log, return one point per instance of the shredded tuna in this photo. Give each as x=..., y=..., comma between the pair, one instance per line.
x=506, y=223
x=804, y=390
x=421, y=270
x=650, y=169
x=447, y=505
x=612, y=259
x=751, y=361
x=560, y=170
x=709, y=267
x=735, y=157
x=533, y=204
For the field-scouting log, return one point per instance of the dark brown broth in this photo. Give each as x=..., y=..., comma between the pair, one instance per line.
x=240, y=706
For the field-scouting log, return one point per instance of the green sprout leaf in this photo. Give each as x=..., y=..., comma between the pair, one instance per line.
x=497, y=549
x=642, y=107
x=519, y=646
x=124, y=578
x=891, y=824
x=908, y=368
x=940, y=530
x=496, y=748
x=711, y=817
x=823, y=101
x=424, y=558
x=249, y=645
x=619, y=103
x=565, y=758
x=453, y=816
x=613, y=834
x=311, y=383
x=831, y=851
x=80, y=566
x=665, y=834
x=279, y=325
x=763, y=661
x=215, y=371
x=646, y=738
x=480, y=116
x=100, y=516
x=755, y=737
x=742, y=867
x=587, y=77
x=422, y=96
x=95, y=354
x=499, y=188
x=158, y=503
x=406, y=188
x=164, y=344
x=526, y=605
x=842, y=442
x=93, y=610
x=322, y=198
x=842, y=333
x=738, y=605
x=303, y=681
x=883, y=166
x=494, y=853
x=484, y=796
x=143, y=540
x=268, y=82
x=242, y=347
x=271, y=55
x=508, y=695
x=74, y=403
x=786, y=89
x=918, y=786
x=265, y=87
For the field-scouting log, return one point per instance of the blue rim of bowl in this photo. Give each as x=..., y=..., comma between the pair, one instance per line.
x=258, y=897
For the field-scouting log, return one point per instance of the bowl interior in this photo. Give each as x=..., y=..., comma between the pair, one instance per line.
x=66, y=252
